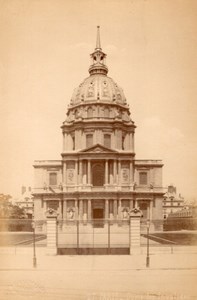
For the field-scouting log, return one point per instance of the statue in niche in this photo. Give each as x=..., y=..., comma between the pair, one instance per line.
x=70, y=175
x=125, y=175
x=125, y=213
x=70, y=213
x=90, y=90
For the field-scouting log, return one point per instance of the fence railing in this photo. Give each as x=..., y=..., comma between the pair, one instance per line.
x=94, y=234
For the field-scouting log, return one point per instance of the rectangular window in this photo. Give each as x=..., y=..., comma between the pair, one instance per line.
x=53, y=179
x=107, y=140
x=143, y=178
x=89, y=140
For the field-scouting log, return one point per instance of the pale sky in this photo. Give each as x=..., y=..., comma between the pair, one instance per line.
x=151, y=48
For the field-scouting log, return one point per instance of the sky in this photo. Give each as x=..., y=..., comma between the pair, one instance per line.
x=151, y=48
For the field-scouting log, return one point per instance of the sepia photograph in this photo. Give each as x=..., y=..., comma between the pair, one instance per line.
x=98, y=189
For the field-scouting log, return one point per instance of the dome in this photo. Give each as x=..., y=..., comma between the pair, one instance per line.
x=98, y=88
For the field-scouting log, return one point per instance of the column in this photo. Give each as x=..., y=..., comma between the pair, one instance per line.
x=76, y=209
x=115, y=209
x=80, y=171
x=89, y=209
x=131, y=172
x=119, y=209
x=132, y=141
x=151, y=210
x=148, y=210
x=106, y=208
x=136, y=203
x=89, y=172
x=106, y=171
x=81, y=209
x=65, y=141
x=131, y=204
x=76, y=172
x=60, y=209
x=119, y=172
x=115, y=170
x=65, y=210
x=64, y=173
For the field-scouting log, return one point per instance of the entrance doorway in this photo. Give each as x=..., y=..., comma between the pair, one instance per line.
x=98, y=213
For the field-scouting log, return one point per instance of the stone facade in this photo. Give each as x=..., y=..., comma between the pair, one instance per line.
x=98, y=176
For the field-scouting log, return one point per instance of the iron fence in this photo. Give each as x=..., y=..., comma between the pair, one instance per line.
x=94, y=236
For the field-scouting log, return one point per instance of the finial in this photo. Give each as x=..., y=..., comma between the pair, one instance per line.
x=98, y=42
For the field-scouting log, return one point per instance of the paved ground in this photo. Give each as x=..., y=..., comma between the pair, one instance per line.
x=170, y=277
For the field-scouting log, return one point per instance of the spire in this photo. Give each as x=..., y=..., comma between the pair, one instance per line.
x=98, y=58
x=98, y=41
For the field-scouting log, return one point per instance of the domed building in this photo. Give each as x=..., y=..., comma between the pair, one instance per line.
x=98, y=176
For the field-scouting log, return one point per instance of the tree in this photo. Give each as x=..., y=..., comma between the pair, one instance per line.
x=8, y=210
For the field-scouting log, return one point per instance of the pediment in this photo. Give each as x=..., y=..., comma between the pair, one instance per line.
x=98, y=149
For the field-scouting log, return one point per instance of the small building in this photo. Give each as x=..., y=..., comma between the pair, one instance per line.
x=26, y=201
x=172, y=202
x=98, y=176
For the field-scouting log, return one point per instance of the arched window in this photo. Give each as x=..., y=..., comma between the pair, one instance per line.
x=143, y=178
x=107, y=140
x=53, y=179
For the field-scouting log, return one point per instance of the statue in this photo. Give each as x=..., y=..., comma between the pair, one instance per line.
x=70, y=214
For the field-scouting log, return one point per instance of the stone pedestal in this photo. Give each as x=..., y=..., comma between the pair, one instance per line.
x=135, y=215
x=51, y=232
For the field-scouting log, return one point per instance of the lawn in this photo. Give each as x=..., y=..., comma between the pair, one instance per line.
x=18, y=238
x=178, y=238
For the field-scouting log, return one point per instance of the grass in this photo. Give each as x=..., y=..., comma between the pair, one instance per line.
x=178, y=238
x=18, y=238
